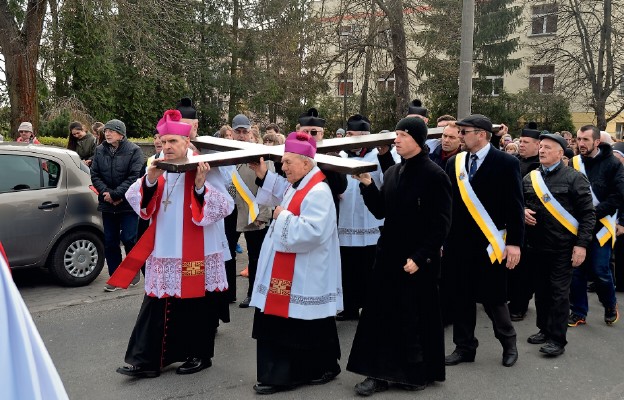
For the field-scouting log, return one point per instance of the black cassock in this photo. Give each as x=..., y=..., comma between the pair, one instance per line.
x=171, y=329
x=400, y=337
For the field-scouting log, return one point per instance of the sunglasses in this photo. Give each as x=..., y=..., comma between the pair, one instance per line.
x=464, y=131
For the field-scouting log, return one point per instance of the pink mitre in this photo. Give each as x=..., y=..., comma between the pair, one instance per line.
x=300, y=143
x=170, y=124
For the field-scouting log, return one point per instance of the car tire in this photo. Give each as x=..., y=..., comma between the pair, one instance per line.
x=77, y=259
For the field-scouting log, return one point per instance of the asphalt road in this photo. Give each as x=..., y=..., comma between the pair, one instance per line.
x=86, y=332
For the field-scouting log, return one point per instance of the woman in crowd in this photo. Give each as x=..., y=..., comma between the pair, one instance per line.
x=82, y=142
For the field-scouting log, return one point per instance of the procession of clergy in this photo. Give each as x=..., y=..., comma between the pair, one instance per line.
x=369, y=248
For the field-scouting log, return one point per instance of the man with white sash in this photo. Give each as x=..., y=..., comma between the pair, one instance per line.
x=298, y=288
x=251, y=218
x=358, y=228
x=484, y=242
x=606, y=177
x=560, y=218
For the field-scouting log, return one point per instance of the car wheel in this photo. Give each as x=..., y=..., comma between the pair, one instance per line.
x=78, y=259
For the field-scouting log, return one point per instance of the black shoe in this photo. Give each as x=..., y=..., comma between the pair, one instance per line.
x=261, y=388
x=192, y=365
x=510, y=356
x=611, y=315
x=591, y=287
x=517, y=316
x=538, y=338
x=326, y=377
x=552, y=349
x=370, y=386
x=245, y=303
x=137, y=372
x=458, y=357
x=347, y=316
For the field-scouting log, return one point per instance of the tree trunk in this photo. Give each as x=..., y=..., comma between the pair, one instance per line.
x=601, y=110
x=372, y=33
x=20, y=48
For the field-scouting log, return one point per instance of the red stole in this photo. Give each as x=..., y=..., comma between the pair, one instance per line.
x=278, y=297
x=193, y=268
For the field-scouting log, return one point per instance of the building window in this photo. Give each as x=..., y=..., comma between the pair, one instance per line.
x=619, y=130
x=386, y=82
x=496, y=83
x=544, y=19
x=340, y=85
x=542, y=78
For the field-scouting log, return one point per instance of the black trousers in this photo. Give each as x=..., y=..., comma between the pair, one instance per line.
x=520, y=285
x=230, y=266
x=357, y=264
x=552, y=279
x=465, y=319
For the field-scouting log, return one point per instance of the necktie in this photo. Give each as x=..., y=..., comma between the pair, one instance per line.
x=473, y=166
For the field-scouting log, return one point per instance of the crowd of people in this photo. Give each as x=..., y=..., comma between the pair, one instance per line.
x=473, y=217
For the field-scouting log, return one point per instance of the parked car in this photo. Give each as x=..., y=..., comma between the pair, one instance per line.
x=48, y=213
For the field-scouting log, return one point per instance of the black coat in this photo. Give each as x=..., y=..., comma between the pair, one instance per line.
x=498, y=185
x=115, y=172
x=571, y=189
x=528, y=164
x=400, y=336
x=606, y=176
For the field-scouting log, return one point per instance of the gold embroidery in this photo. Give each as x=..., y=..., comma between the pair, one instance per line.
x=280, y=287
x=192, y=268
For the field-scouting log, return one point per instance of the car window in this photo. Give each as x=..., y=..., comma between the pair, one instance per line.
x=27, y=173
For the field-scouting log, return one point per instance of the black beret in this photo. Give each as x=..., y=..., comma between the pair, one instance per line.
x=415, y=107
x=310, y=118
x=185, y=106
x=476, y=121
x=559, y=139
x=358, y=122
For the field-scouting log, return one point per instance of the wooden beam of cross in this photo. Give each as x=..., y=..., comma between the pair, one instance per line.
x=220, y=152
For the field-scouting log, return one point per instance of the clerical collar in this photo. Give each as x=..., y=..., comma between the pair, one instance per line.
x=550, y=169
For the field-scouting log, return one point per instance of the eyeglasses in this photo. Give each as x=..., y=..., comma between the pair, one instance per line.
x=464, y=131
x=241, y=131
x=312, y=132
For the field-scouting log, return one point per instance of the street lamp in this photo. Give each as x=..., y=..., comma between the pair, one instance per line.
x=345, y=34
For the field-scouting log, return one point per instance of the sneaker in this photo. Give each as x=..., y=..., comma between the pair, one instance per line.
x=576, y=320
x=136, y=280
x=611, y=315
x=239, y=249
x=110, y=288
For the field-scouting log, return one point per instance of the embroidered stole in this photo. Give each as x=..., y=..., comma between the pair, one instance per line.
x=478, y=212
x=193, y=282
x=552, y=205
x=246, y=195
x=278, y=296
x=608, y=221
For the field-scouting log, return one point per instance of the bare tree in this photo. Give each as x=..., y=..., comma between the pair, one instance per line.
x=20, y=35
x=587, y=53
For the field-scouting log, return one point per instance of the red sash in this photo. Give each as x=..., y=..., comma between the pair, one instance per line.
x=278, y=297
x=193, y=268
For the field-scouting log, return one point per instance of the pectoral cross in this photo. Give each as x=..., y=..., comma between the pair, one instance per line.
x=219, y=152
x=166, y=202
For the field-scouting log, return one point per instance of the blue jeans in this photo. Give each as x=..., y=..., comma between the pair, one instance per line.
x=118, y=227
x=597, y=266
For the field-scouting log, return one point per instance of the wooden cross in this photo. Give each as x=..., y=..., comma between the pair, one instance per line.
x=219, y=152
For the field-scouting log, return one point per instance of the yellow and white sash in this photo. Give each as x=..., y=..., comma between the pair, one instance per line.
x=608, y=229
x=495, y=237
x=552, y=205
x=247, y=196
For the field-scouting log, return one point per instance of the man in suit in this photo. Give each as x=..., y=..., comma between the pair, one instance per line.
x=486, y=235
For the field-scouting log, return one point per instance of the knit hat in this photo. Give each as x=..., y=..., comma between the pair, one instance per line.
x=170, y=124
x=476, y=121
x=415, y=127
x=310, y=118
x=340, y=131
x=25, y=126
x=415, y=107
x=530, y=130
x=185, y=106
x=358, y=123
x=559, y=139
x=300, y=143
x=618, y=148
x=241, y=121
x=117, y=126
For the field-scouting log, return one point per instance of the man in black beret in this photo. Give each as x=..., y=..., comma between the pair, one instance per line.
x=485, y=238
x=560, y=218
x=520, y=282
